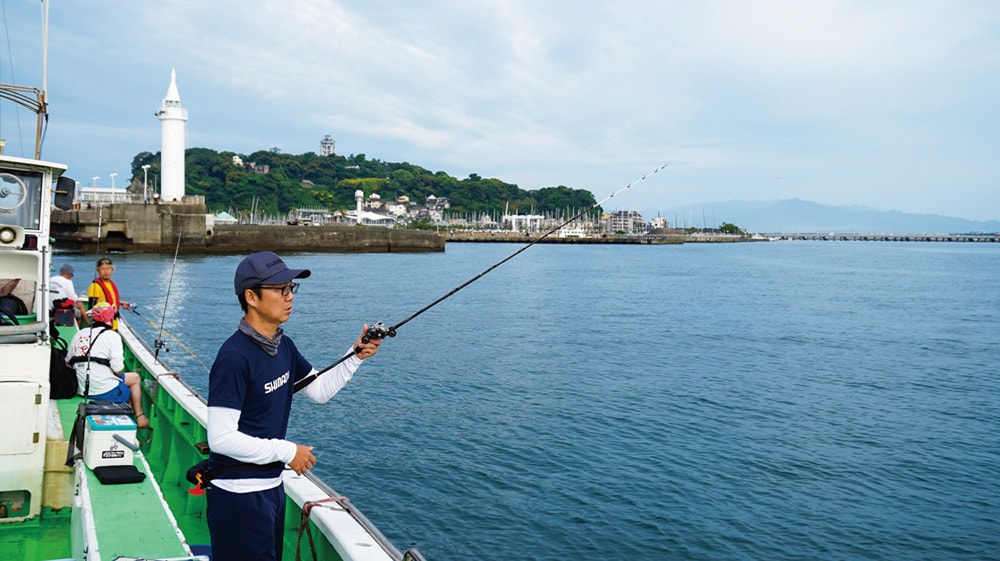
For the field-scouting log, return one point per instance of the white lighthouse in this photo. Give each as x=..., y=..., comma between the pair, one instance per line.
x=172, y=118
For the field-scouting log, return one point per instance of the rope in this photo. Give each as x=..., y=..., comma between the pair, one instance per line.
x=304, y=524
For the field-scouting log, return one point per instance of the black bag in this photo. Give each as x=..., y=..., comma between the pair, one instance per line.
x=102, y=407
x=13, y=305
x=113, y=475
x=198, y=473
x=62, y=377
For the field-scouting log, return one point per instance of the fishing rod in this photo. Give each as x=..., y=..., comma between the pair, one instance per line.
x=379, y=331
x=158, y=344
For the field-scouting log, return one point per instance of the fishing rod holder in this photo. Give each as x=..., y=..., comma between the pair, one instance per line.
x=378, y=330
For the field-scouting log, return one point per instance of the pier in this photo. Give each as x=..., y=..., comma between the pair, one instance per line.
x=973, y=238
x=659, y=237
x=160, y=228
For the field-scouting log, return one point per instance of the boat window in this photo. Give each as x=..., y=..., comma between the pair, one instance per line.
x=20, y=198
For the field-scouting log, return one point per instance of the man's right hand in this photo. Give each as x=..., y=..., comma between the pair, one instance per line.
x=303, y=460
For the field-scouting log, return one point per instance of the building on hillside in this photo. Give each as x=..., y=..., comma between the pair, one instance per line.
x=253, y=167
x=396, y=209
x=326, y=146
x=437, y=203
x=374, y=201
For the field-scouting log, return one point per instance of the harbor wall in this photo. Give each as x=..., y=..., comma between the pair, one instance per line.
x=332, y=238
x=156, y=228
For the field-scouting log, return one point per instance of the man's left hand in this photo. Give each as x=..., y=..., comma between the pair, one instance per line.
x=366, y=350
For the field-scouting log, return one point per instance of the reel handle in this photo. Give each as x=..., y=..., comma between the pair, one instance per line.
x=378, y=331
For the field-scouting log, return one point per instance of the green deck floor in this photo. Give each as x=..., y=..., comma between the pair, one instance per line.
x=130, y=519
x=44, y=539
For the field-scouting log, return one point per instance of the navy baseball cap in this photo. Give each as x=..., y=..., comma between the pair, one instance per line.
x=264, y=267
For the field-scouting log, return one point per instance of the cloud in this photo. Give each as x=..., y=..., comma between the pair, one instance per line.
x=886, y=103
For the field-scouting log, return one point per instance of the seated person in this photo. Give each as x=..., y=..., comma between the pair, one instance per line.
x=99, y=359
x=61, y=287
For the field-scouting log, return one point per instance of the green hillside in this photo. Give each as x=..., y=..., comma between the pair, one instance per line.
x=312, y=181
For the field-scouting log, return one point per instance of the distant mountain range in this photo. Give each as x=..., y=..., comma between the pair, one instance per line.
x=795, y=216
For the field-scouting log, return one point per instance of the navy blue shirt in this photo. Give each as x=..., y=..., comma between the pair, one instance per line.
x=244, y=377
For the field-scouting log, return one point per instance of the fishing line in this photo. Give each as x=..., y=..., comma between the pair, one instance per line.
x=158, y=344
x=172, y=336
x=380, y=331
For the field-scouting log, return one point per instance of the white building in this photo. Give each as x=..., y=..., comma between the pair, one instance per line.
x=626, y=221
x=374, y=201
x=326, y=146
x=368, y=218
x=93, y=197
x=523, y=222
x=659, y=223
x=173, y=119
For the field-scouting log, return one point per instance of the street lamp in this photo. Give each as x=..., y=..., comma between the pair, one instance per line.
x=145, y=183
x=95, y=180
x=113, y=180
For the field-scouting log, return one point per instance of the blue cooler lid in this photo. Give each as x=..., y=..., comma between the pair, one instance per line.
x=110, y=422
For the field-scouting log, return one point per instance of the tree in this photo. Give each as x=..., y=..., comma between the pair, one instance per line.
x=728, y=228
x=334, y=179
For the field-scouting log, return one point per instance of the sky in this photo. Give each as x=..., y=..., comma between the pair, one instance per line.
x=889, y=104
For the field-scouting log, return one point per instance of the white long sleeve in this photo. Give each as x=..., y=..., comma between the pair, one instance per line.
x=331, y=381
x=224, y=437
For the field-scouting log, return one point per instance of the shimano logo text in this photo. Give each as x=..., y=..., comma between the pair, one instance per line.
x=276, y=383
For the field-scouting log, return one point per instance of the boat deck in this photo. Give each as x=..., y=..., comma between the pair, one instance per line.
x=128, y=520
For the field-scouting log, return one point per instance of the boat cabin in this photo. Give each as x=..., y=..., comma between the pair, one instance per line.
x=26, y=198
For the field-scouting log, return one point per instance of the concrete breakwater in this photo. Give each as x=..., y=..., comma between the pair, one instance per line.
x=157, y=228
x=330, y=238
x=639, y=240
x=649, y=239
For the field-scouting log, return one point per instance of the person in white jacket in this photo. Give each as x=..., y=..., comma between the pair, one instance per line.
x=61, y=287
x=97, y=354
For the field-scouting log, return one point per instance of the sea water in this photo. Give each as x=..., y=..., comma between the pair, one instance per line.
x=779, y=401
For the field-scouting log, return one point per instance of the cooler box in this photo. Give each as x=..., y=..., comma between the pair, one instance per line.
x=99, y=445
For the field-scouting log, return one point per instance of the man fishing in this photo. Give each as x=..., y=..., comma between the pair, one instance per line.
x=249, y=402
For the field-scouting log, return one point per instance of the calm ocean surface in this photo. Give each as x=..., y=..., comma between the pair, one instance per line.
x=771, y=401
